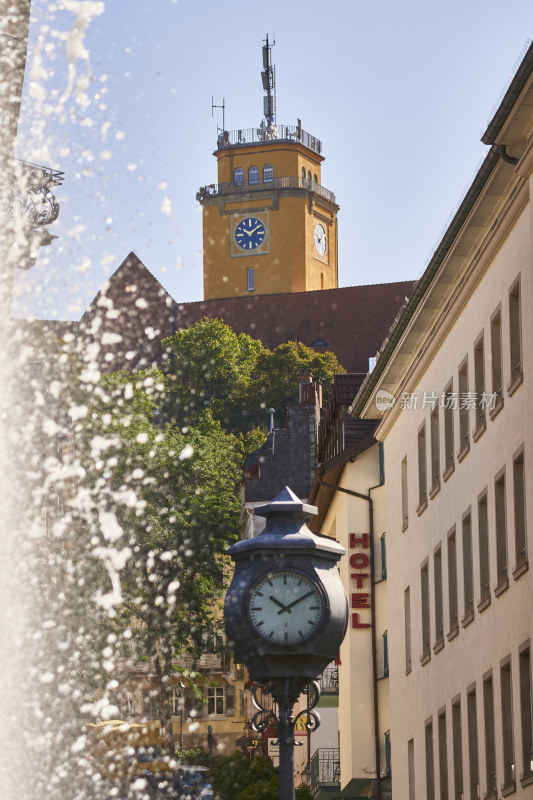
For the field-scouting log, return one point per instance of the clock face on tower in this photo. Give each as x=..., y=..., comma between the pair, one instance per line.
x=286, y=607
x=250, y=233
x=320, y=239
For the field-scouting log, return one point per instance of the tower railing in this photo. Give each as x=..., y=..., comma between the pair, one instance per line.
x=288, y=182
x=269, y=133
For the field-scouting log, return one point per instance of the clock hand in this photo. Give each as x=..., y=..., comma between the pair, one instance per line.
x=278, y=603
x=294, y=602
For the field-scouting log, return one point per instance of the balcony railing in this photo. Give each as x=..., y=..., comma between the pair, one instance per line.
x=329, y=680
x=269, y=133
x=325, y=769
x=290, y=182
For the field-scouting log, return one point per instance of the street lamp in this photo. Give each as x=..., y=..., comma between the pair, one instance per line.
x=286, y=614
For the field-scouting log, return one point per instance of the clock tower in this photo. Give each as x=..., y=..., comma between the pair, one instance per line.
x=269, y=225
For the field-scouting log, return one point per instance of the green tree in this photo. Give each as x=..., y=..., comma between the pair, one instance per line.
x=237, y=772
x=210, y=366
x=165, y=510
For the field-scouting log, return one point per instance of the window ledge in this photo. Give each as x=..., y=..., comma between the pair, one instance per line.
x=509, y=789
x=497, y=408
x=449, y=470
x=453, y=632
x=463, y=452
x=439, y=644
x=421, y=507
x=467, y=618
x=501, y=587
x=520, y=569
x=424, y=658
x=484, y=603
x=515, y=383
x=481, y=428
x=435, y=489
x=526, y=780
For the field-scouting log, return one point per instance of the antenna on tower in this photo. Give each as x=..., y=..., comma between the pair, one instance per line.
x=268, y=76
x=223, y=107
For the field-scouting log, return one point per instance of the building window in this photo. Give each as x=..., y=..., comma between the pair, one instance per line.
x=128, y=704
x=422, y=469
x=308, y=178
x=253, y=174
x=383, y=542
x=473, y=756
x=405, y=503
x=501, y=531
x=468, y=568
x=515, y=333
x=483, y=534
x=496, y=353
x=450, y=404
x=479, y=385
x=435, y=450
x=303, y=177
x=519, y=510
x=268, y=173
x=215, y=699
x=238, y=176
x=507, y=725
x=426, y=632
x=430, y=764
x=439, y=616
x=526, y=711
x=411, y=767
x=490, y=743
x=250, y=279
x=387, y=753
x=177, y=701
x=464, y=410
x=452, y=584
x=407, y=616
x=443, y=757
x=457, y=739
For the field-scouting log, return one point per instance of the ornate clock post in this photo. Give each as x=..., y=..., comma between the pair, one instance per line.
x=286, y=615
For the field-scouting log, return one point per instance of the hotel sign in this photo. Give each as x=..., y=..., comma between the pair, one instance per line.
x=359, y=560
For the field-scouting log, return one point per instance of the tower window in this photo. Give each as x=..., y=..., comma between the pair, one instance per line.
x=309, y=178
x=251, y=279
x=253, y=175
x=238, y=176
x=268, y=173
x=315, y=179
x=303, y=177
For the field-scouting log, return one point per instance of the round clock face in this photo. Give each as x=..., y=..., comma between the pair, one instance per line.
x=320, y=239
x=285, y=607
x=250, y=233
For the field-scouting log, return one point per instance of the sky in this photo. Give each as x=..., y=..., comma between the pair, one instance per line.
x=118, y=95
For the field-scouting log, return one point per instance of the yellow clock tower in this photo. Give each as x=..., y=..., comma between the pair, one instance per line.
x=269, y=226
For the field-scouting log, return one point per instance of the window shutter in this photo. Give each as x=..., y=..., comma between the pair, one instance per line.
x=230, y=701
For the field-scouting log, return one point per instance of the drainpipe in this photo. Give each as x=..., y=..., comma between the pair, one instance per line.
x=373, y=620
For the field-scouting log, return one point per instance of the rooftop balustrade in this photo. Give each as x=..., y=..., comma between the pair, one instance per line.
x=268, y=133
x=281, y=183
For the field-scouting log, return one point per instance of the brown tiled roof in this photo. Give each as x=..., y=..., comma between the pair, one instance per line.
x=352, y=321
x=133, y=312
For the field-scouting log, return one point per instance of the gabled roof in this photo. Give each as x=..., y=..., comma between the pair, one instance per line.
x=351, y=321
x=132, y=313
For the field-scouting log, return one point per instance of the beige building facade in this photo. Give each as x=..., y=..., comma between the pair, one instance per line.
x=452, y=386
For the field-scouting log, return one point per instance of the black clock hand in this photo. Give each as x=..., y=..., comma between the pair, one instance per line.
x=294, y=602
x=281, y=605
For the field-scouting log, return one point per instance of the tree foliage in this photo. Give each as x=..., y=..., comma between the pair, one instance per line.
x=210, y=366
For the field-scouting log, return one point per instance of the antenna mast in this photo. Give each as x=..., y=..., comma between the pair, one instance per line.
x=268, y=76
x=223, y=107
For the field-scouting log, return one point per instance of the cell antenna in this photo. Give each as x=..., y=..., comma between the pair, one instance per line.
x=268, y=77
x=223, y=107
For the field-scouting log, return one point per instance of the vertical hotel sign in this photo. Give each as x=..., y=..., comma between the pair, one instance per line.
x=359, y=546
